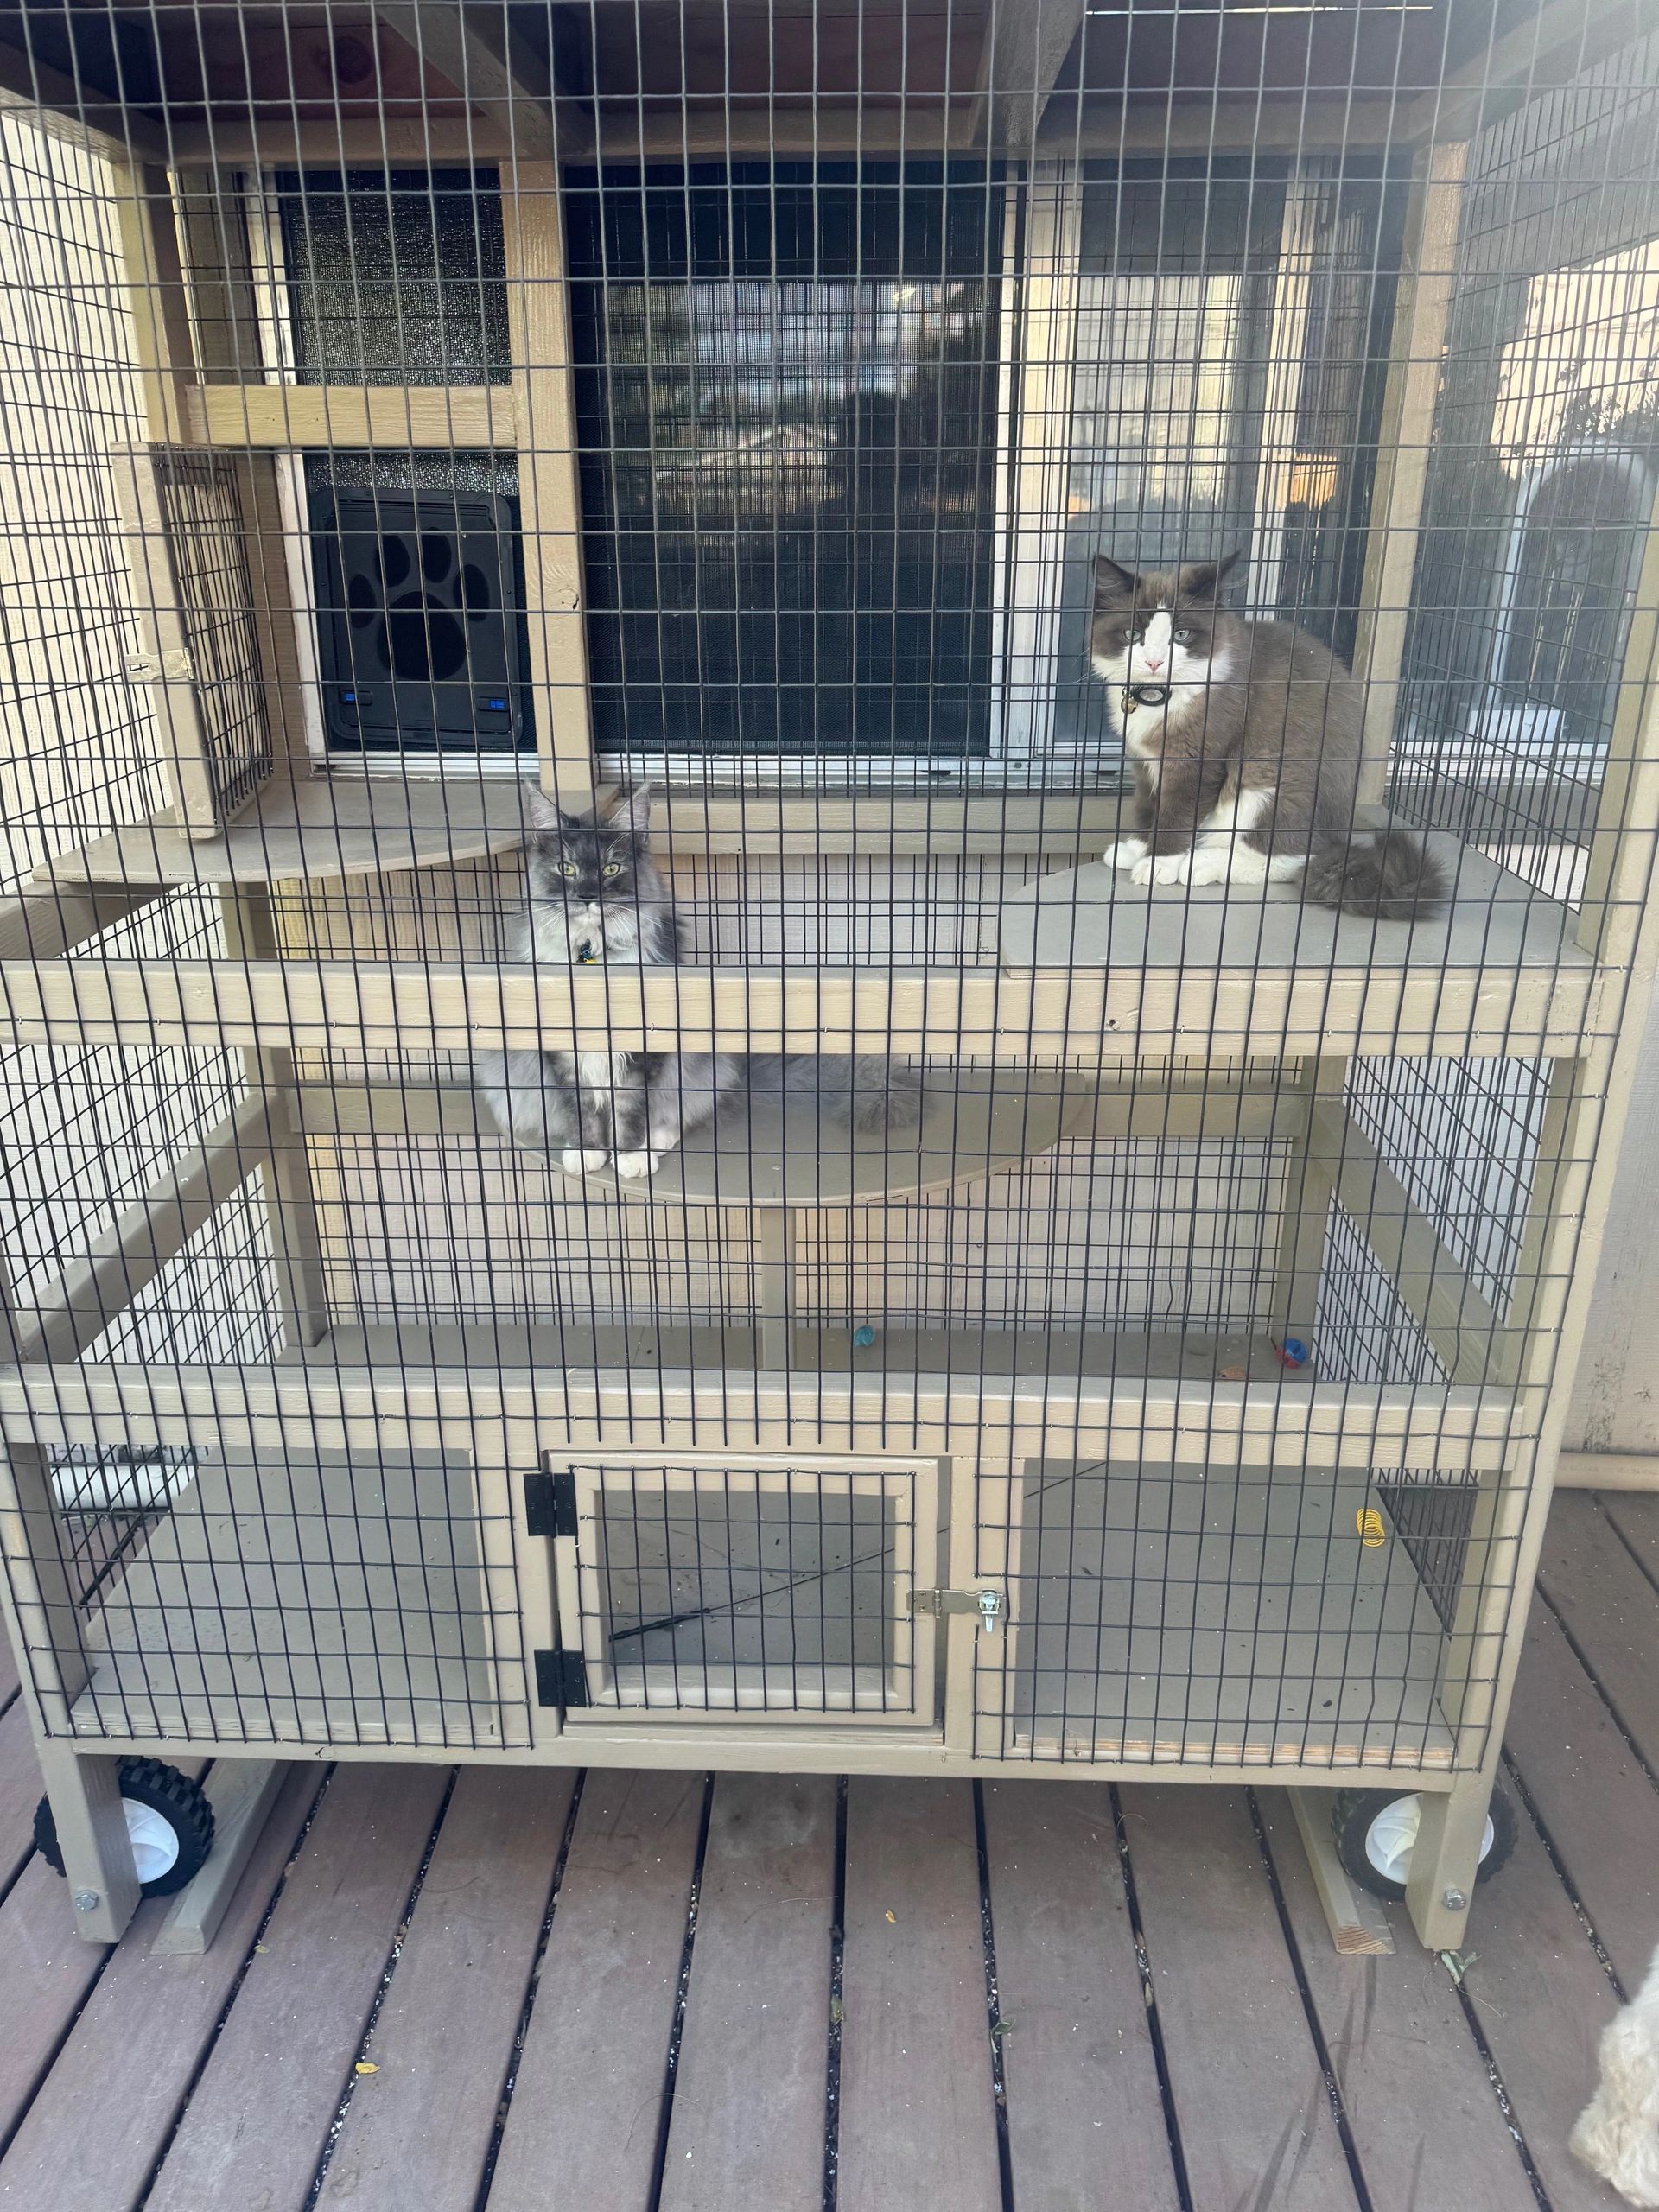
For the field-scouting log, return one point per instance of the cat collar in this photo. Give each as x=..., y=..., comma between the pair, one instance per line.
x=1145, y=694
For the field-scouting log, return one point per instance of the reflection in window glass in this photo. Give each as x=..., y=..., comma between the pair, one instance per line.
x=785, y=394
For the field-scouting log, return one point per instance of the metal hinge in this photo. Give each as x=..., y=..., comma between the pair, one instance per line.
x=550, y=1502
x=989, y=1604
x=174, y=667
x=561, y=1679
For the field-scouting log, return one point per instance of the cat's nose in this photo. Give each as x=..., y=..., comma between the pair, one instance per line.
x=1152, y=664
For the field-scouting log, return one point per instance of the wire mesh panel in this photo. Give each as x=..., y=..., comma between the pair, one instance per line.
x=841, y=923
x=184, y=519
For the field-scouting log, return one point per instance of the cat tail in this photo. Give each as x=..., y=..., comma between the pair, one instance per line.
x=865, y=1091
x=1390, y=877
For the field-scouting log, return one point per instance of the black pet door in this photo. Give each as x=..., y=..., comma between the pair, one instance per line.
x=420, y=623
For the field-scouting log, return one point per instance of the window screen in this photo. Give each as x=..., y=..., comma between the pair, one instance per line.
x=787, y=394
x=395, y=277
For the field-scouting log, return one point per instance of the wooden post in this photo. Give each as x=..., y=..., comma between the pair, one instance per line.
x=1307, y=1207
x=156, y=293
x=539, y=318
x=291, y=1202
x=1422, y=310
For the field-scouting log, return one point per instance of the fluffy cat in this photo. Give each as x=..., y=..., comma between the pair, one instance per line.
x=595, y=895
x=1245, y=740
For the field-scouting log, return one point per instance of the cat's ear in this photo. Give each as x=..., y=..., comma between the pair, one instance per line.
x=1203, y=579
x=542, y=816
x=631, y=810
x=1112, y=583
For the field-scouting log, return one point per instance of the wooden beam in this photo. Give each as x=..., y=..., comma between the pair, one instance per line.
x=539, y=322
x=468, y=45
x=1422, y=311
x=1254, y=121
x=42, y=921
x=1026, y=43
x=154, y=268
x=58, y=1322
x=1548, y=48
x=58, y=104
x=292, y=415
x=390, y=140
x=980, y=1015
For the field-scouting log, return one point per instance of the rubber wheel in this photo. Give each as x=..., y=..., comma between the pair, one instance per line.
x=168, y=1820
x=1375, y=1828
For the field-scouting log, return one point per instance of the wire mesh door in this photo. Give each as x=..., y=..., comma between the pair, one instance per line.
x=780, y=1589
x=193, y=600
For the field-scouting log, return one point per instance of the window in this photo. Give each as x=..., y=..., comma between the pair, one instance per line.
x=786, y=407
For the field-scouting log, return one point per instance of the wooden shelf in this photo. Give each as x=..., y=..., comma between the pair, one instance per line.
x=1095, y=917
x=315, y=826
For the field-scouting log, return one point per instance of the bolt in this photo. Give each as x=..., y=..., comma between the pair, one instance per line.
x=1454, y=1900
x=88, y=1900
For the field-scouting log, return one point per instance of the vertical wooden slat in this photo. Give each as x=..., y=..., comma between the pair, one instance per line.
x=1422, y=311
x=539, y=321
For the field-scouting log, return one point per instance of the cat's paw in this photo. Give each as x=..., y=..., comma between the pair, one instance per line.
x=638, y=1163
x=1213, y=867
x=1125, y=853
x=581, y=1163
x=1161, y=867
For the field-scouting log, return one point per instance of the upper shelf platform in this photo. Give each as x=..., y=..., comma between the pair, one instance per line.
x=1095, y=917
x=315, y=826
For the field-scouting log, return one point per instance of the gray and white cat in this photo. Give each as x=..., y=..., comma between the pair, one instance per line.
x=595, y=895
x=1245, y=739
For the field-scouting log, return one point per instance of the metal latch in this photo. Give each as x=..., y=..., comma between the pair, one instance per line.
x=988, y=1604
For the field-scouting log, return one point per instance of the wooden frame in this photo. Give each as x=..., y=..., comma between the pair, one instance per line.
x=776, y=1697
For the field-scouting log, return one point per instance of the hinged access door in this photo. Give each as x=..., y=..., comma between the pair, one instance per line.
x=771, y=1587
x=182, y=512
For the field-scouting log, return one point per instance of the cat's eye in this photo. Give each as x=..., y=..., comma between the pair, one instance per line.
x=1182, y=637
x=611, y=868
x=570, y=868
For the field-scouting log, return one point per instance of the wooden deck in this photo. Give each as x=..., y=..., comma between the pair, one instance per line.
x=442, y=1991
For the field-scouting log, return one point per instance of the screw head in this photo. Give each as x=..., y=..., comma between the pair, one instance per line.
x=88, y=1900
x=1454, y=1900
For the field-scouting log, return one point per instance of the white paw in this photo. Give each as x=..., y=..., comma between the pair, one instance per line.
x=581, y=1163
x=1166, y=868
x=1126, y=852
x=1205, y=868
x=638, y=1163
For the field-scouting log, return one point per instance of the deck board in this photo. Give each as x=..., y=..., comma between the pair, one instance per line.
x=1082, y=2079
x=270, y=2091
x=1542, y=2000
x=91, y=2138
x=917, y=2115
x=1588, y=1575
x=1426, y=2126
x=417, y=2130
x=757, y=2020
x=582, y=2130
x=1598, y=1808
x=1255, y=2120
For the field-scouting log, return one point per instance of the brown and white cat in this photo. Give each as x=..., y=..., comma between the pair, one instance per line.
x=1245, y=740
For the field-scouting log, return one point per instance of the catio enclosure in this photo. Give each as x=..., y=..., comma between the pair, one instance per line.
x=408, y=407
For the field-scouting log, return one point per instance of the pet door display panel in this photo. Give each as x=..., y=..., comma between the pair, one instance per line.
x=742, y=1590
x=419, y=621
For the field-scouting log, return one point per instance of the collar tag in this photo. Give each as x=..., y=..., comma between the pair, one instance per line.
x=1145, y=694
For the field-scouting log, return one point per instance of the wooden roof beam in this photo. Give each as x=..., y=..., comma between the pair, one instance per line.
x=508, y=86
x=1026, y=43
x=1548, y=48
x=80, y=114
